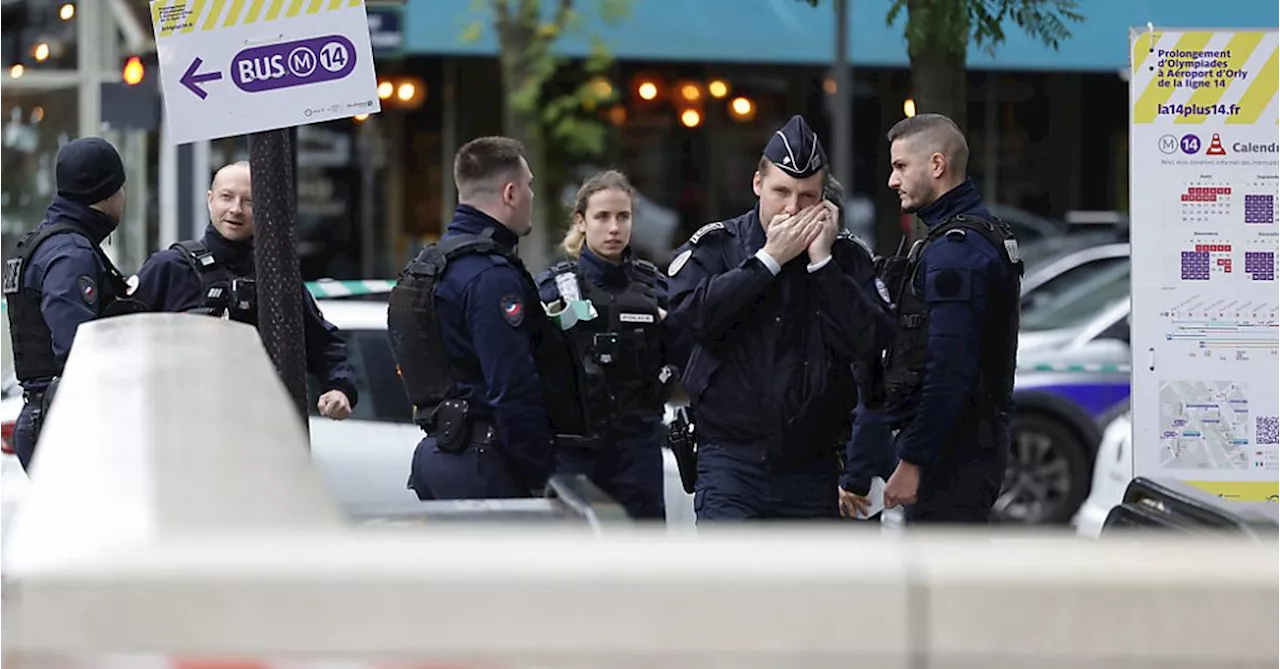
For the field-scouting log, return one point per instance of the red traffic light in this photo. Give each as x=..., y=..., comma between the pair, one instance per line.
x=133, y=70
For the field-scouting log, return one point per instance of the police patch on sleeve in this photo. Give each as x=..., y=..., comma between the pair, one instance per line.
x=678, y=263
x=947, y=285
x=88, y=289
x=512, y=310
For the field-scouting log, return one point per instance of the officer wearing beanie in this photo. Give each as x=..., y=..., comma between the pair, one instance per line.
x=780, y=301
x=59, y=277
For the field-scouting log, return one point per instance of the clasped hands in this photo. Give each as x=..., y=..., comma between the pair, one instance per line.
x=813, y=228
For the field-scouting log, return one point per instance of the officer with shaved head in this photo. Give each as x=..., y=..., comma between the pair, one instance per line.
x=214, y=275
x=947, y=383
x=779, y=301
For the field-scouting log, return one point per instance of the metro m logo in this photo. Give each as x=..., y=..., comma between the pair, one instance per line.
x=302, y=61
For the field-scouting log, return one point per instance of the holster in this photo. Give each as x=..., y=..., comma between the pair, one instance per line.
x=455, y=429
x=680, y=440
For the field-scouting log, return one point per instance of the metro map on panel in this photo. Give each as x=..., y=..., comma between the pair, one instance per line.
x=1205, y=425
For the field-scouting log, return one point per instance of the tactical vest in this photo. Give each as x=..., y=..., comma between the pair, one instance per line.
x=429, y=376
x=619, y=353
x=223, y=292
x=906, y=360
x=32, y=340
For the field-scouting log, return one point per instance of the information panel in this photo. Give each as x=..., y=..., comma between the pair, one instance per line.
x=1204, y=191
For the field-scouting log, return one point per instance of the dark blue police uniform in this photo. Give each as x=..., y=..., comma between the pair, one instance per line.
x=770, y=376
x=60, y=278
x=488, y=310
x=627, y=465
x=956, y=426
x=169, y=281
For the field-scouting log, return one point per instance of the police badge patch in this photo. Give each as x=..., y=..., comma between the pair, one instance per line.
x=512, y=310
x=88, y=289
x=678, y=263
x=883, y=290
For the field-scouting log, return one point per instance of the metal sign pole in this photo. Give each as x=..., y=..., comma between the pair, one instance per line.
x=275, y=257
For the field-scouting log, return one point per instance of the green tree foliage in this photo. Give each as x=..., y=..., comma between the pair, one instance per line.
x=938, y=34
x=550, y=105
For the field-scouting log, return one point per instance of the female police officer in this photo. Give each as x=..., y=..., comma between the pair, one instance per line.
x=614, y=308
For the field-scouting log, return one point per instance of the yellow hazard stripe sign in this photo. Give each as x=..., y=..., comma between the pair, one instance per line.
x=1193, y=78
x=178, y=17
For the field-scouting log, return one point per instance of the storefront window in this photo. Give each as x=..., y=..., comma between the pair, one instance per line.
x=34, y=125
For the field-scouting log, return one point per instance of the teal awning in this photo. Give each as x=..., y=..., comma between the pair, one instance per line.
x=792, y=32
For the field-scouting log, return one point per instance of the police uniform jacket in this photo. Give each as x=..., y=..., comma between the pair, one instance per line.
x=958, y=273
x=616, y=279
x=167, y=282
x=68, y=274
x=484, y=303
x=772, y=355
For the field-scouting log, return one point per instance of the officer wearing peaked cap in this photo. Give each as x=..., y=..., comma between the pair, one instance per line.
x=779, y=302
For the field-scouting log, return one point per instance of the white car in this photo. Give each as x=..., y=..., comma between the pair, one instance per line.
x=1112, y=473
x=365, y=459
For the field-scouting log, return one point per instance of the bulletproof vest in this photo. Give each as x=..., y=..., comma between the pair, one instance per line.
x=430, y=376
x=619, y=353
x=32, y=340
x=223, y=292
x=906, y=360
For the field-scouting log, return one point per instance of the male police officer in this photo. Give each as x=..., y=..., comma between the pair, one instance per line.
x=214, y=275
x=60, y=278
x=949, y=375
x=779, y=302
x=479, y=358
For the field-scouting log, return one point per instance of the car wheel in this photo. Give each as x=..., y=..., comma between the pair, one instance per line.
x=1047, y=477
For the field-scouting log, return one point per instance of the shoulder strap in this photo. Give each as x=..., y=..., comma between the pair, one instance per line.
x=15, y=267
x=196, y=254
x=996, y=232
x=564, y=267
x=647, y=275
x=434, y=258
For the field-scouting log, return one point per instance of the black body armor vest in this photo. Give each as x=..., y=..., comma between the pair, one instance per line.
x=906, y=360
x=619, y=353
x=429, y=376
x=32, y=340
x=225, y=293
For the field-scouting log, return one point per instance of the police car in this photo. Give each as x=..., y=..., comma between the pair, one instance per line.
x=365, y=459
x=1073, y=377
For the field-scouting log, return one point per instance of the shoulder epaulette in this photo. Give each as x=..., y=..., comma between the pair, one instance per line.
x=705, y=230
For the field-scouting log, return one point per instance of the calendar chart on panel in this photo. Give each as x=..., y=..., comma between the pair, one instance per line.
x=1204, y=235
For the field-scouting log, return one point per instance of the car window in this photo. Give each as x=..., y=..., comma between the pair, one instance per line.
x=1072, y=307
x=382, y=395
x=1047, y=292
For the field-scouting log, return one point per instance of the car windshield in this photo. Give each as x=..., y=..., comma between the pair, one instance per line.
x=1074, y=306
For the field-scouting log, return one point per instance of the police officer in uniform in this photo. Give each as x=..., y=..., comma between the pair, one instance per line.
x=59, y=277
x=214, y=276
x=948, y=378
x=481, y=361
x=780, y=302
x=627, y=343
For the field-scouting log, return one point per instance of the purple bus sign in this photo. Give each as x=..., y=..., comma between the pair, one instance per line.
x=297, y=63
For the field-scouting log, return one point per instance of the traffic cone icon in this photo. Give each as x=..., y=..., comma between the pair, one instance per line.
x=1215, y=147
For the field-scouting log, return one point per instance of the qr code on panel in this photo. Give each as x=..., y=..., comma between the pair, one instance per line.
x=1267, y=430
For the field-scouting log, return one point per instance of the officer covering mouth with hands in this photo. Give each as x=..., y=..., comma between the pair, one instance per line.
x=779, y=301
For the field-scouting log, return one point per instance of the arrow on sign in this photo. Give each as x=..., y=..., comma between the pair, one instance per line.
x=192, y=80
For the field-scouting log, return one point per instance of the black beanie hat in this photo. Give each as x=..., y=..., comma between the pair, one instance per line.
x=89, y=170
